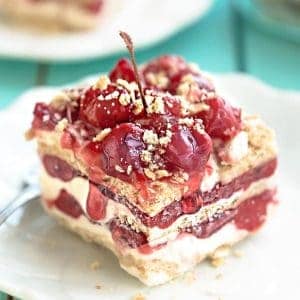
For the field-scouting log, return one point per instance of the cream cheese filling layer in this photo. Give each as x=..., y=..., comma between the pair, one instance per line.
x=184, y=252
x=78, y=187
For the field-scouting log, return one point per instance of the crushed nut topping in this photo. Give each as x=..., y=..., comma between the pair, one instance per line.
x=129, y=170
x=101, y=135
x=61, y=125
x=124, y=99
x=102, y=82
x=119, y=169
x=149, y=173
x=187, y=121
x=155, y=104
x=159, y=79
x=150, y=137
x=165, y=140
x=146, y=156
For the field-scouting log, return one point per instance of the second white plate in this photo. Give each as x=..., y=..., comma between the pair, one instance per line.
x=147, y=21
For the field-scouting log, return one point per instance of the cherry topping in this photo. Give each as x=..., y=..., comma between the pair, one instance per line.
x=221, y=120
x=119, y=153
x=126, y=236
x=58, y=168
x=94, y=6
x=96, y=203
x=174, y=68
x=188, y=150
x=252, y=212
x=45, y=117
x=122, y=70
x=171, y=65
x=68, y=204
x=191, y=204
x=106, y=112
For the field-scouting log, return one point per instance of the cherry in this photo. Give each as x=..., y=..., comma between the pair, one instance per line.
x=174, y=68
x=96, y=203
x=201, y=81
x=251, y=213
x=188, y=150
x=191, y=204
x=169, y=64
x=221, y=120
x=122, y=70
x=68, y=204
x=168, y=216
x=125, y=236
x=58, y=168
x=45, y=117
x=94, y=6
x=104, y=113
x=120, y=151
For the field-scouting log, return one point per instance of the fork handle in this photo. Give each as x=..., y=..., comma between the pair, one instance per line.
x=29, y=193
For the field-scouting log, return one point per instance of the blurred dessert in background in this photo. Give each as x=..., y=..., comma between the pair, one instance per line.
x=52, y=15
x=283, y=10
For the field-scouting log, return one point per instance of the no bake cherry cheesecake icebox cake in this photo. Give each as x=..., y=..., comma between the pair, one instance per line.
x=53, y=14
x=155, y=165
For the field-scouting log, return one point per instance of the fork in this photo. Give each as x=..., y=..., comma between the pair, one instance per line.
x=29, y=191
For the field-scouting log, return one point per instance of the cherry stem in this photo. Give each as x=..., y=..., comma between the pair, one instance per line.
x=129, y=45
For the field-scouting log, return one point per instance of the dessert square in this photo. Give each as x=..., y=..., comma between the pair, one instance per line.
x=155, y=165
x=52, y=14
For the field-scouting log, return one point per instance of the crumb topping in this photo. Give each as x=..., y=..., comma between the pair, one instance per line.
x=150, y=137
x=102, y=82
x=155, y=104
x=61, y=125
x=158, y=79
x=102, y=134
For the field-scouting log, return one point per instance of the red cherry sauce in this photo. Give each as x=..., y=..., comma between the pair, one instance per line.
x=58, y=168
x=251, y=214
x=96, y=203
x=187, y=205
x=67, y=204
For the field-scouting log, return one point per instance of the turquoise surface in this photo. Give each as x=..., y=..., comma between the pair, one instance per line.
x=220, y=42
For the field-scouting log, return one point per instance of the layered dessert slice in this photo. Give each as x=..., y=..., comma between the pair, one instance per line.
x=155, y=165
x=53, y=14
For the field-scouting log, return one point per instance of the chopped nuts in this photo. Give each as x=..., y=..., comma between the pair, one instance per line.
x=129, y=170
x=150, y=137
x=124, y=99
x=158, y=79
x=61, y=125
x=165, y=140
x=102, y=82
x=155, y=104
x=186, y=121
x=149, y=173
x=60, y=100
x=101, y=135
x=146, y=156
x=162, y=173
x=119, y=169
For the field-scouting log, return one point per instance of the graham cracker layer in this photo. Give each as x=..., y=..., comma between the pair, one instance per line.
x=261, y=148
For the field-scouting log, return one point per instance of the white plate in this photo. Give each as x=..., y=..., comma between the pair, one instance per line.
x=41, y=260
x=147, y=21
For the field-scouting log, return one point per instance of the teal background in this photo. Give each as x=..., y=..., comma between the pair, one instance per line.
x=220, y=42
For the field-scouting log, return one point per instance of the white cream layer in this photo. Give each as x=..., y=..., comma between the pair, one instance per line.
x=78, y=187
x=184, y=252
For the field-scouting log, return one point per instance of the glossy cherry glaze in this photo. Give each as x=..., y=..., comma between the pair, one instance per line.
x=66, y=203
x=119, y=109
